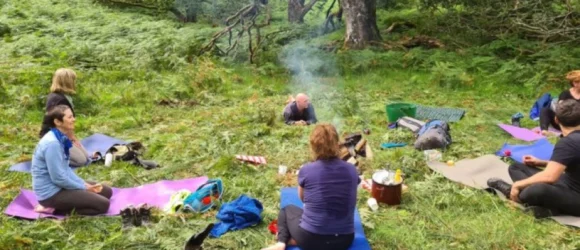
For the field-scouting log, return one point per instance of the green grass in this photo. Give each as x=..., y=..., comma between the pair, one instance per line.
x=128, y=62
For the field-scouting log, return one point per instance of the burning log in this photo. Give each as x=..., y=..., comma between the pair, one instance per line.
x=344, y=153
x=353, y=161
x=369, y=152
x=360, y=145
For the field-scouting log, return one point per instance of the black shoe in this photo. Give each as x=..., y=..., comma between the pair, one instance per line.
x=541, y=212
x=500, y=185
x=145, y=213
x=137, y=220
x=516, y=122
x=127, y=217
x=195, y=242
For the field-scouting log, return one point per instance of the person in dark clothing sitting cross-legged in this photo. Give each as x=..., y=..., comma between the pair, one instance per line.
x=555, y=189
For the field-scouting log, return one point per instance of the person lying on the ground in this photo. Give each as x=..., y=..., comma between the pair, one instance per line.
x=63, y=86
x=58, y=189
x=300, y=111
x=328, y=189
x=555, y=189
x=548, y=114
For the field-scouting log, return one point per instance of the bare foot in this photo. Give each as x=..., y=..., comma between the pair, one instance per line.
x=277, y=246
x=545, y=132
x=45, y=210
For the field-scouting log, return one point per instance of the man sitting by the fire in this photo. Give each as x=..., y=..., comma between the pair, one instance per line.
x=555, y=189
x=299, y=111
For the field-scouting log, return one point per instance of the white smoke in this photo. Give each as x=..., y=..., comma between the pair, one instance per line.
x=308, y=67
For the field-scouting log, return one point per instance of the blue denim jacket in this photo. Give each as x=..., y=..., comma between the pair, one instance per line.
x=50, y=170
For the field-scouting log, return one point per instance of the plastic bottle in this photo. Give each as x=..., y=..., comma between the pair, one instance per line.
x=398, y=176
x=108, y=159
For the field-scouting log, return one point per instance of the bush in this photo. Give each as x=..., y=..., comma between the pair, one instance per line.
x=4, y=30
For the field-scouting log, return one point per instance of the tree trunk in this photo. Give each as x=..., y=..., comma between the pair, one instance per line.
x=361, y=23
x=297, y=10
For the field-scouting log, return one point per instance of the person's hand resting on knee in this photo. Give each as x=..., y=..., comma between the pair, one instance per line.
x=97, y=188
x=515, y=192
x=533, y=161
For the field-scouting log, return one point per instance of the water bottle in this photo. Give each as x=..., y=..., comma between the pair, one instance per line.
x=108, y=159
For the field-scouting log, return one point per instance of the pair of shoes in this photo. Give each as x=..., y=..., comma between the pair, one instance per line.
x=501, y=186
x=136, y=216
x=541, y=212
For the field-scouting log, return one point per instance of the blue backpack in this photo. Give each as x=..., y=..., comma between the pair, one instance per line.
x=204, y=197
x=433, y=135
x=542, y=102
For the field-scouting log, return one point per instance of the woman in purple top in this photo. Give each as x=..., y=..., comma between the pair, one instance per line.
x=328, y=188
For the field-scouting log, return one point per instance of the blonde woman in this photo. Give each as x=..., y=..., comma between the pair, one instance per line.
x=327, y=186
x=62, y=88
x=548, y=114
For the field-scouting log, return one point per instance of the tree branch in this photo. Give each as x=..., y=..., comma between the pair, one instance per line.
x=307, y=7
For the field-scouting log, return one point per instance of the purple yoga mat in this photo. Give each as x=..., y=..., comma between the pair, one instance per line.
x=155, y=194
x=522, y=133
x=553, y=130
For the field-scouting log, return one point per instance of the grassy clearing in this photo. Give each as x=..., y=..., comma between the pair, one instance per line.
x=128, y=62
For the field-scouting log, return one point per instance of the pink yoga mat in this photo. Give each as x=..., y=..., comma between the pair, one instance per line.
x=155, y=194
x=524, y=133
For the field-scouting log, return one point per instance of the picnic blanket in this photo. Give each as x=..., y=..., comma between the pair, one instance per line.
x=437, y=113
x=154, y=194
x=289, y=196
x=475, y=173
x=94, y=143
x=541, y=149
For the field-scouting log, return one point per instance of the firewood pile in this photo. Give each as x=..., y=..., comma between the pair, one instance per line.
x=354, y=146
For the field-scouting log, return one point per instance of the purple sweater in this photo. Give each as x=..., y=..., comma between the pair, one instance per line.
x=330, y=188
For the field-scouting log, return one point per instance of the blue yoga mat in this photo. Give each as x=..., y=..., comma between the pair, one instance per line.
x=541, y=149
x=289, y=196
x=94, y=143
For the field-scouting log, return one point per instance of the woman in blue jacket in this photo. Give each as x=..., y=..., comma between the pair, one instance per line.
x=58, y=189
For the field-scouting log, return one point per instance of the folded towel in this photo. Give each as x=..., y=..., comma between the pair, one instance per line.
x=392, y=145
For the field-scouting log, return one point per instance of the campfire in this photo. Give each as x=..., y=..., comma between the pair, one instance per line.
x=354, y=146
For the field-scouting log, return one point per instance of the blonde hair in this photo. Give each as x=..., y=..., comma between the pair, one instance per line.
x=324, y=142
x=573, y=76
x=63, y=81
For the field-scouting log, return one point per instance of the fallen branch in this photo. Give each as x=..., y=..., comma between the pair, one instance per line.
x=244, y=21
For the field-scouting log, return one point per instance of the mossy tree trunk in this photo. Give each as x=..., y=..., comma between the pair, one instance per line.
x=361, y=23
x=297, y=10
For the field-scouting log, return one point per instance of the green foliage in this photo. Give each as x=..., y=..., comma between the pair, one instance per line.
x=448, y=75
x=139, y=79
x=484, y=21
x=4, y=30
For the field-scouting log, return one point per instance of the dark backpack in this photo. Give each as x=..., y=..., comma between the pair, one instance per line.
x=131, y=152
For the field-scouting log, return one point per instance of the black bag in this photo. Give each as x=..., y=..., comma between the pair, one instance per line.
x=130, y=153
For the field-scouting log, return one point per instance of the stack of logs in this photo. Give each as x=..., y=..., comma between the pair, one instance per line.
x=354, y=145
